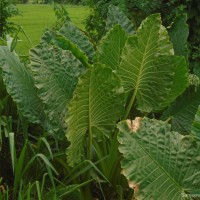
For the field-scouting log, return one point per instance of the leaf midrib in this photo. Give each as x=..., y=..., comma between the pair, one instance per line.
x=138, y=78
x=90, y=135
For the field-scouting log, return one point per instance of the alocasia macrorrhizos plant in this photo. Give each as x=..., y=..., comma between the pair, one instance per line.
x=146, y=64
x=88, y=92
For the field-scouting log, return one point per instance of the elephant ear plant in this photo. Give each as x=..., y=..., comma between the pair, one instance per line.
x=84, y=93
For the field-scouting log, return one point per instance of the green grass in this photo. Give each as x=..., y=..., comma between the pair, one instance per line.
x=36, y=18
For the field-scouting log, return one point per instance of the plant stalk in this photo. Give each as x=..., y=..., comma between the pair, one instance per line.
x=86, y=192
x=89, y=149
x=128, y=109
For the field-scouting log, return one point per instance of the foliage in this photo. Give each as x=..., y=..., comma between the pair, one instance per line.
x=83, y=93
x=116, y=16
x=95, y=23
x=76, y=36
x=182, y=111
x=92, y=111
x=138, y=10
x=196, y=125
x=61, y=14
x=153, y=160
x=179, y=31
x=7, y=10
x=72, y=2
x=56, y=74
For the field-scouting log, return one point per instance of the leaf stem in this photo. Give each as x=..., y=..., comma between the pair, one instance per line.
x=128, y=109
x=89, y=149
x=87, y=189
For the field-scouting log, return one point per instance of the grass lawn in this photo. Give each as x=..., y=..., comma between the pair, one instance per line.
x=36, y=17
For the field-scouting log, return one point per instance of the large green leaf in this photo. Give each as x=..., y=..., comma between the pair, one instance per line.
x=110, y=49
x=179, y=32
x=183, y=110
x=20, y=86
x=76, y=36
x=96, y=106
x=158, y=164
x=116, y=16
x=56, y=74
x=65, y=44
x=147, y=68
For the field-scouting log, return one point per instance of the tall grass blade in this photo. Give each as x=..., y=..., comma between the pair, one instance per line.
x=12, y=149
x=18, y=171
x=47, y=145
x=38, y=190
x=46, y=161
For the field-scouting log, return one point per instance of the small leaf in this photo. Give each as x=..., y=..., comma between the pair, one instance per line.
x=158, y=164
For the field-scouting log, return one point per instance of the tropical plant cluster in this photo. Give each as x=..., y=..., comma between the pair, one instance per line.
x=138, y=10
x=119, y=120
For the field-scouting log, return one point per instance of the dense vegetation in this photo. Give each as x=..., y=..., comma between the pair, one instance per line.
x=119, y=120
x=138, y=10
x=7, y=10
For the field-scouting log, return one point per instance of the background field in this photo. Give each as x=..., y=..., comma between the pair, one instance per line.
x=36, y=18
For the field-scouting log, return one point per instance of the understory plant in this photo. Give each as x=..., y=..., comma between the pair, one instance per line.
x=70, y=89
